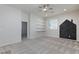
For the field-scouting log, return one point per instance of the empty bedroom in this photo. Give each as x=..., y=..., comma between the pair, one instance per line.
x=39, y=28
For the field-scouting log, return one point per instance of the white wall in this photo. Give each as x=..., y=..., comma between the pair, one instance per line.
x=34, y=21
x=10, y=25
x=32, y=24
x=61, y=18
x=24, y=16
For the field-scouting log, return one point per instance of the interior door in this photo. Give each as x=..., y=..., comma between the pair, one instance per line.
x=24, y=29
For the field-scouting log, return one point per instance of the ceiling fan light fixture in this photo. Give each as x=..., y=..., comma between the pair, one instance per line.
x=65, y=9
x=44, y=9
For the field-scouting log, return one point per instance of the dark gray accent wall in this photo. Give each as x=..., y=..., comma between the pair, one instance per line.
x=68, y=30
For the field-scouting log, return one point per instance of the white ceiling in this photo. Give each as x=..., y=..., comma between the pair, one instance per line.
x=57, y=8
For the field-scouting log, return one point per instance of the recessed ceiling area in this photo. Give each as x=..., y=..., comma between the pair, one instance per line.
x=57, y=8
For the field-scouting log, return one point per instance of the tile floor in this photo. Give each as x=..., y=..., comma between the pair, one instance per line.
x=43, y=45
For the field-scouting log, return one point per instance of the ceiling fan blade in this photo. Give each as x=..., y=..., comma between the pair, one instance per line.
x=50, y=8
x=40, y=6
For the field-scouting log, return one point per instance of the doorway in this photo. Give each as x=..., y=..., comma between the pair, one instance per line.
x=24, y=30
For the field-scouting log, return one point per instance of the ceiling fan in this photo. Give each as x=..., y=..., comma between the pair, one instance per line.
x=46, y=8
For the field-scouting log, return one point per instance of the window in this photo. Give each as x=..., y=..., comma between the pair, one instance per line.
x=52, y=24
